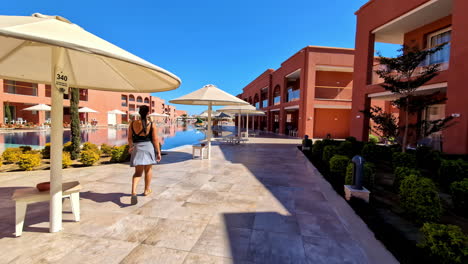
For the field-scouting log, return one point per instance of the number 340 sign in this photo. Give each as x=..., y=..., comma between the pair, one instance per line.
x=61, y=82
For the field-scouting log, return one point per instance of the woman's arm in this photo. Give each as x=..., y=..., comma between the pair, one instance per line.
x=129, y=137
x=155, y=138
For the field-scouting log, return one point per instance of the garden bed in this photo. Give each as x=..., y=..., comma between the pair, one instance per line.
x=384, y=214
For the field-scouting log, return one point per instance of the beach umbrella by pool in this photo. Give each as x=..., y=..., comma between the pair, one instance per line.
x=39, y=107
x=117, y=112
x=242, y=110
x=52, y=50
x=160, y=115
x=209, y=95
x=86, y=110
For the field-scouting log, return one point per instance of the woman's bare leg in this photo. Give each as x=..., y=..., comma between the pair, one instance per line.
x=136, y=177
x=148, y=176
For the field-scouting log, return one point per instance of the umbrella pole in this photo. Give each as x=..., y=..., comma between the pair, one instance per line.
x=247, y=126
x=56, y=146
x=239, y=125
x=209, y=130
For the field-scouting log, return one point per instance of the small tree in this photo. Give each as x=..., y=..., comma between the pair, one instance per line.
x=75, y=123
x=385, y=124
x=404, y=74
x=7, y=111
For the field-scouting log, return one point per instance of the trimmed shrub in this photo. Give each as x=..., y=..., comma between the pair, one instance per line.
x=351, y=139
x=120, y=154
x=66, y=160
x=12, y=155
x=90, y=146
x=374, y=139
x=459, y=192
x=401, y=173
x=401, y=159
x=369, y=175
x=25, y=149
x=329, y=152
x=445, y=242
x=1, y=161
x=106, y=149
x=346, y=148
x=428, y=159
x=317, y=148
x=338, y=165
x=370, y=152
x=451, y=171
x=46, y=151
x=420, y=199
x=68, y=147
x=88, y=157
x=28, y=162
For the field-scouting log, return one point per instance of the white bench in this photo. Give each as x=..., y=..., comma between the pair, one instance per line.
x=199, y=148
x=26, y=196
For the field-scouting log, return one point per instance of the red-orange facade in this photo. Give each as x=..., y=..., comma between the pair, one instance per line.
x=20, y=95
x=314, y=84
x=424, y=24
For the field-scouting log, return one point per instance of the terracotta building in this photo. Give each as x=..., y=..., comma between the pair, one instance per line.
x=20, y=95
x=425, y=24
x=309, y=94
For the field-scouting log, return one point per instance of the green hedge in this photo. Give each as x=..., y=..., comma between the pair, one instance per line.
x=369, y=175
x=28, y=162
x=447, y=243
x=402, y=159
x=338, y=165
x=106, y=149
x=68, y=147
x=66, y=160
x=459, y=192
x=374, y=153
x=120, y=154
x=428, y=159
x=92, y=147
x=88, y=157
x=12, y=155
x=451, y=171
x=401, y=173
x=346, y=149
x=420, y=199
x=329, y=152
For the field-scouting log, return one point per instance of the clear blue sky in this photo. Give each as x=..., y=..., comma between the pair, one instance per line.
x=226, y=43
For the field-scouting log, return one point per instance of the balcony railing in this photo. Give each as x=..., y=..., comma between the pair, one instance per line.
x=293, y=95
x=265, y=103
x=333, y=93
x=12, y=87
x=277, y=100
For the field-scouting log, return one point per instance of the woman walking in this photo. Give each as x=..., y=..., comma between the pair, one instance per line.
x=145, y=152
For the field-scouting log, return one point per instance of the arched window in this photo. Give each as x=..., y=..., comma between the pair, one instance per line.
x=257, y=101
x=277, y=95
x=139, y=99
x=124, y=100
x=131, y=98
x=146, y=100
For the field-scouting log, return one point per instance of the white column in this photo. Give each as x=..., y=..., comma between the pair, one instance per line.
x=247, y=126
x=239, y=125
x=209, y=130
x=56, y=146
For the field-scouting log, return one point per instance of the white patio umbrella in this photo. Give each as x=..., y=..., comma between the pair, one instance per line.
x=86, y=110
x=117, y=112
x=209, y=95
x=242, y=110
x=160, y=115
x=39, y=107
x=52, y=50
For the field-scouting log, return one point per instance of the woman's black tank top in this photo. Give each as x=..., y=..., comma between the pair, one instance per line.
x=139, y=137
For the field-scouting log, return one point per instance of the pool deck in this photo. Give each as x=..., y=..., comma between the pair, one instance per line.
x=261, y=202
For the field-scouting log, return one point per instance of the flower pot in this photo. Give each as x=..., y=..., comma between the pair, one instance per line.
x=43, y=186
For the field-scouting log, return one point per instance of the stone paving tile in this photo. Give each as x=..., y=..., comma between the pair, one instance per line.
x=177, y=194
x=222, y=242
x=159, y=208
x=207, y=197
x=340, y=250
x=175, y=234
x=216, y=187
x=194, y=258
x=274, y=222
x=321, y=225
x=281, y=248
x=147, y=254
x=132, y=228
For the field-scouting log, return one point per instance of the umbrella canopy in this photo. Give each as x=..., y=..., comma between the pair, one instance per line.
x=86, y=110
x=52, y=50
x=242, y=110
x=209, y=95
x=223, y=115
x=117, y=112
x=135, y=114
x=39, y=107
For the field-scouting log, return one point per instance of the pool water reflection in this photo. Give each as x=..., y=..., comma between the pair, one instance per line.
x=171, y=137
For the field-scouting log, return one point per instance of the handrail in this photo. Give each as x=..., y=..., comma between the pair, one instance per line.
x=333, y=87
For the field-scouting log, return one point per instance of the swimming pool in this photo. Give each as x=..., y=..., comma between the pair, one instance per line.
x=171, y=137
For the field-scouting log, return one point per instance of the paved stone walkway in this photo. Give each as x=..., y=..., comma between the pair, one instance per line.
x=260, y=202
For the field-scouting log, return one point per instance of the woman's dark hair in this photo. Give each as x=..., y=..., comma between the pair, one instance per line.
x=143, y=114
